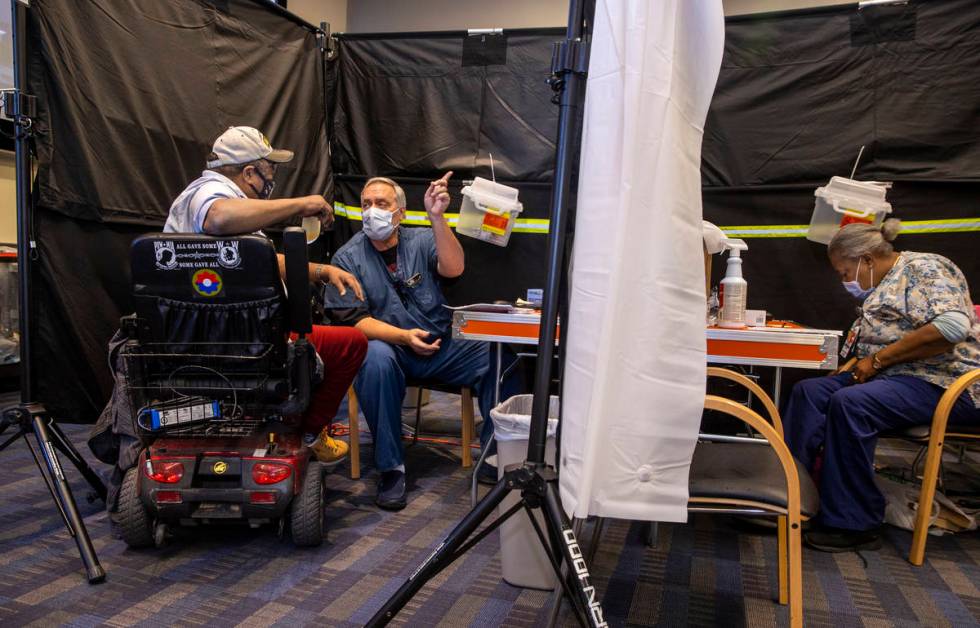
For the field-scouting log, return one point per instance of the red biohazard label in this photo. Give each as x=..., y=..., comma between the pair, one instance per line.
x=495, y=223
x=852, y=219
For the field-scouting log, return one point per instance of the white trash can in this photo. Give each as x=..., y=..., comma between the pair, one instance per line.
x=524, y=562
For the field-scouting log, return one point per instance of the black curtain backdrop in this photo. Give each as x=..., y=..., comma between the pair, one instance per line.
x=131, y=94
x=125, y=124
x=413, y=106
x=800, y=93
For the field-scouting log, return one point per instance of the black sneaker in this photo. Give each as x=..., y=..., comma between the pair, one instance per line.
x=827, y=539
x=391, y=490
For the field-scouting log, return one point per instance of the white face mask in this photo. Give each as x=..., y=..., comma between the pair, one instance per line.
x=854, y=287
x=377, y=223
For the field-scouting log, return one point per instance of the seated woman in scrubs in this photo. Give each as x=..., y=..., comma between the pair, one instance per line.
x=918, y=332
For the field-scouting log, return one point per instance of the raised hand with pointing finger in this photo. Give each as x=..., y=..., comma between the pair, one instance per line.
x=437, y=196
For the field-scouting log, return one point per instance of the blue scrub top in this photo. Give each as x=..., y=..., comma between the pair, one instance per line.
x=409, y=298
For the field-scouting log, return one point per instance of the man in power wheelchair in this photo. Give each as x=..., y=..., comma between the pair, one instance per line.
x=228, y=299
x=217, y=388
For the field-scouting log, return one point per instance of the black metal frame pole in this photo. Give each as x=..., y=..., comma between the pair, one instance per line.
x=571, y=94
x=286, y=13
x=18, y=27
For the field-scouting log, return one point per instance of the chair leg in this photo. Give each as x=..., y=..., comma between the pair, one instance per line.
x=927, y=493
x=651, y=533
x=795, y=548
x=468, y=426
x=418, y=415
x=600, y=523
x=353, y=426
x=782, y=551
x=915, y=462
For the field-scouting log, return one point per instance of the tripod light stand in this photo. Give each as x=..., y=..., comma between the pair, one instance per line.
x=30, y=417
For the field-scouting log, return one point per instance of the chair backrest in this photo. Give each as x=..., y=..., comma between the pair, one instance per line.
x=192, y=288
x=739, y=378
x=212, y=318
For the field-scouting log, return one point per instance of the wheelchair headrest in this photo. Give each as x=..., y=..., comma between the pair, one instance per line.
x=205, y=269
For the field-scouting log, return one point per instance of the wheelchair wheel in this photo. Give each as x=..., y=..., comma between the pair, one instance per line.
x=137, y=529
x=306, y=511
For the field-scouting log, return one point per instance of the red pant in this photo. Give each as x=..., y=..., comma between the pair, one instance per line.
x=342, y=350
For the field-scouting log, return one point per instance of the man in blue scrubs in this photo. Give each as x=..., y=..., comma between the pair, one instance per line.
x=409, y=330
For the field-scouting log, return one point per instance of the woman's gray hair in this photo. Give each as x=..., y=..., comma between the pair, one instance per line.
x=856, y=240
x=399, y=192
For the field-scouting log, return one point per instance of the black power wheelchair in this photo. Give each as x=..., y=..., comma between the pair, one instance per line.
x=217, y=387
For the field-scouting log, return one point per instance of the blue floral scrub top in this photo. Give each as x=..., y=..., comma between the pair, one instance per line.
x=918, y=288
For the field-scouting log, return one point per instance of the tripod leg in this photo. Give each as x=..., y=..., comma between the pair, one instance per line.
x=66, y=447
x=66, y=501
x=556, y=599
x=558, y=596
x=559, y=526
x=441, y=557
x=10, y=440
x=47, y=483
x=566, y=583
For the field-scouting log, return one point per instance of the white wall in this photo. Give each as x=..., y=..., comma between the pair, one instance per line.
x=8, y=199
x=741, y=7
x=379, y=16
x=316, y=11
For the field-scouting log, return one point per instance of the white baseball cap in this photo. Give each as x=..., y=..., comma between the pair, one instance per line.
x=242, y=144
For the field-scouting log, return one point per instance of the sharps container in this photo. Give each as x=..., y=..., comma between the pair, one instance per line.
x=489, y=211
x=844, y=201
x=523, y=560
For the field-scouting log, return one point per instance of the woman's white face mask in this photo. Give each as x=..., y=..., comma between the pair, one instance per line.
x=854, y=287
x=377, y=223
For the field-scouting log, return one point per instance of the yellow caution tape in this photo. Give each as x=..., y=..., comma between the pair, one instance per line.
x=540, y=225
x=909, y=227
x=522, y=225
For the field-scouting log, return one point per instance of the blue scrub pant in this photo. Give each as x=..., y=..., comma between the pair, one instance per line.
x=380, y=387
x=845, y=419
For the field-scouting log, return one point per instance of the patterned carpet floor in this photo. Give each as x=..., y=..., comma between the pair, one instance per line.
x=706, y=573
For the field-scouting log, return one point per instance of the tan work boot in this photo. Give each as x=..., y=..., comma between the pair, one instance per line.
x=329, y=451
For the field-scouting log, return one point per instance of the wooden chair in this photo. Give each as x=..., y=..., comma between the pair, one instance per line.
x=467, y=420
x=932, y=437
x=755, y=389
x=936, y=434
x=735, y=476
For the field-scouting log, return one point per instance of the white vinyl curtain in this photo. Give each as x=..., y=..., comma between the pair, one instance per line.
x=634, y=381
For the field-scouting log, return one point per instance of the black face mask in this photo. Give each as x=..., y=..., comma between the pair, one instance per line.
x=267, y=186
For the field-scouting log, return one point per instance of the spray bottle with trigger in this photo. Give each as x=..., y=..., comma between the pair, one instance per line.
x=734, y=289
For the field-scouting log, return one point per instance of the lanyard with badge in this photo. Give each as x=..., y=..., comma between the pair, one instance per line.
x=395, y=276
x=403, y=287
x=849, y=347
